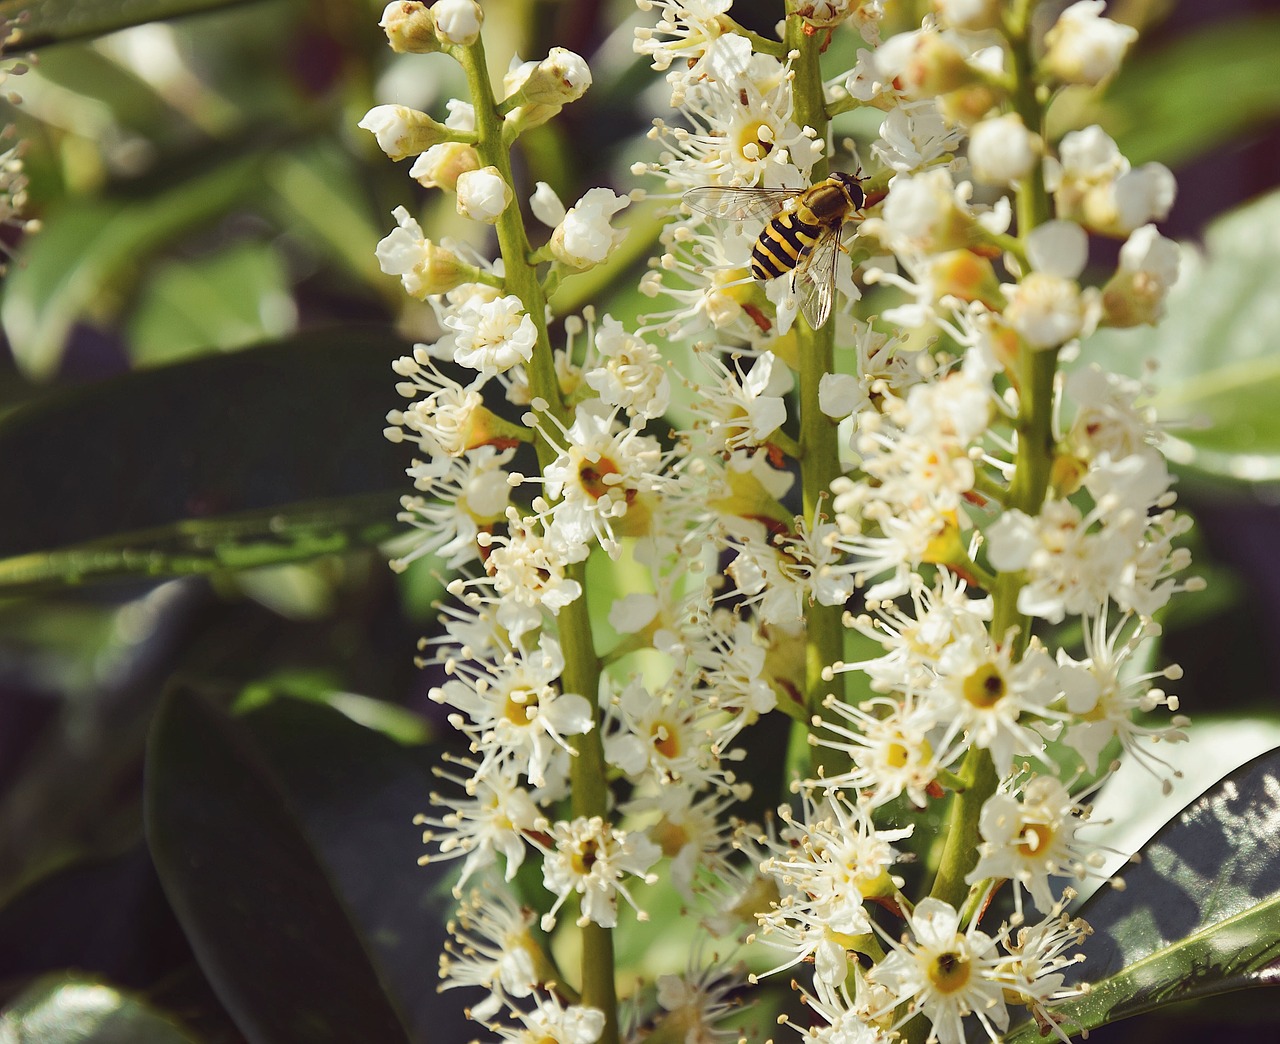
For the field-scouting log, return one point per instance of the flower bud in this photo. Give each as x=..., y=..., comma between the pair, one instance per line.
x=458, y=21
x=584, y=238
x=482, y=194
x=965, y=275
x=1148, y=268
x=1085, y=48
x=410, y=27
x=561, y=77
x=1002, y=150
x=824, y=14
x=968, y=14
x=1046, y=310
x=924, y=63
x=441, y=165
x=403, y=132
x=922, y=213
x=424, y=267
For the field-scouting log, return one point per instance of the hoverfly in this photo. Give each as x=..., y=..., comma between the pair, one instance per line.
x=802, y=235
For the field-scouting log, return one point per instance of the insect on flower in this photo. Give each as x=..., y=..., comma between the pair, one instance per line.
x=802, y=235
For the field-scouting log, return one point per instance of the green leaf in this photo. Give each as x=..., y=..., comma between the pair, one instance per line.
x=44, y=22
x=235, y=298
x=1199, y=92
x=269, y=455
x=70, y=1009
x=1218, y=376
x=1199, y=914
x=285, y=843
x=89, y=251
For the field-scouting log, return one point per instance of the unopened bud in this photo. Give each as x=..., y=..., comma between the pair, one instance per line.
x=924, y=64
x=483, y=195
x=968, y=14
x=561, y=77
x=965, y=275
x=584, y=237
x=1148, y=268
x=458, y=21
x=441, y=165
x=1002, y=150
x=1085, y=48
x=410, y=27
x=403, y=132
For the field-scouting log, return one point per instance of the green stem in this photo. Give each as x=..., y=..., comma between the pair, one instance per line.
x=589, y=787
x=819, y=458
x=1032, y=469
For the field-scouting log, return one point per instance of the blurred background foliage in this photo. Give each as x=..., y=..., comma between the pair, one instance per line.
x=200, y=642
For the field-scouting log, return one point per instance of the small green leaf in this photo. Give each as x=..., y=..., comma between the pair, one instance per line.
x=1218, y=376
x=44, y=22
x=1198, y=915
x=269, y=455
x=69, y=1009
x=260, y=899
x=90, y=247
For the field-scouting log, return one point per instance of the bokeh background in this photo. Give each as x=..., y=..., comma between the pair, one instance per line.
x=206, y=668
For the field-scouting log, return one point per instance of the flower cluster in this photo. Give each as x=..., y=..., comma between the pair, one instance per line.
x=924, y=486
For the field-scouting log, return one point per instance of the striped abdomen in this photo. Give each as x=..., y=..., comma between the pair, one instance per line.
x=784, y=242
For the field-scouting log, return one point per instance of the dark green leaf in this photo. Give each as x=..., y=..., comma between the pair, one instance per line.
x=1199, y=915
x=1218, y=380
x=1197, y=93
x=66, y=1009
x=88, y=246
x=286, y=847
x=44, y=22
x=267, y=455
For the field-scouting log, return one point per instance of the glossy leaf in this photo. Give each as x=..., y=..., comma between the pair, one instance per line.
x=68, y=1009
x=1218, y=379
x=285, y=843
x=1199, y=914
x=88, y=246
x=54, y=21
x=268, y=455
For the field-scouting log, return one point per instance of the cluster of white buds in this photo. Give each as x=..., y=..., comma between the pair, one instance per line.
x=927, y=485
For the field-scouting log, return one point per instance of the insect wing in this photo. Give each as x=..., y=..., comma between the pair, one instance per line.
x=738, y=204
x=815, y=278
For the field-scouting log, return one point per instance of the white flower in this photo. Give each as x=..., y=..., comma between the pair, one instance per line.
x=1083, y=47
x=458, y=21
x=425, y=268
x=584, y=236
x=515, y=712
x=482, y=194
x=631, y=374
x=552, y=1021
x=944, y=972
x=590, y=859
x=1047, y=310
x=1002, y=150
x=1059, y=248
x=491, y=335
x=1029, y=836
x=491, y=946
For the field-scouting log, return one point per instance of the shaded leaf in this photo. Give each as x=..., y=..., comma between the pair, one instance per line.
x=1219, y=363
x=245, y=876
x=1199, y=915
x=68, y=1009
x=268, y=455
x=87, y=246
x=1197, y=93
x=54, y=21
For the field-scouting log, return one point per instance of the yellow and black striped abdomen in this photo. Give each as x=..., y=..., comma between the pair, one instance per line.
x=784, y=242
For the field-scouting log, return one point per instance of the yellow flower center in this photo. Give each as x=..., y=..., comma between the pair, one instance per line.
x=985, y=687
x=950, y=972
x=1035, y=838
